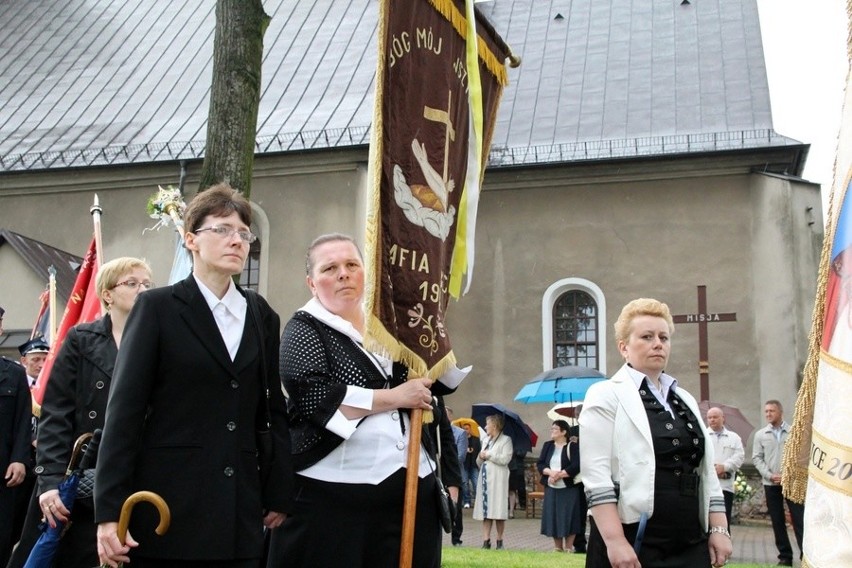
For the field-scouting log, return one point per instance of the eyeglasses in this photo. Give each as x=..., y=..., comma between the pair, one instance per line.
x=227, y=232
x=133, y=284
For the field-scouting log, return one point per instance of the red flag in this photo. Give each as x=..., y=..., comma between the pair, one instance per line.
x=83, y=306
x=41, y=327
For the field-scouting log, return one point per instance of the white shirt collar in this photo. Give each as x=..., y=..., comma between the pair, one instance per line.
x=452, y=378
x=233, y=301
x=667, y=382
x=334, y=321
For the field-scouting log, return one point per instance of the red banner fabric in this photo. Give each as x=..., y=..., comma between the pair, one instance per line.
x=83, y=306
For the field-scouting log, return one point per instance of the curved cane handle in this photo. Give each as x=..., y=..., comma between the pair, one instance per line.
x=79, y=448
x=127, y=508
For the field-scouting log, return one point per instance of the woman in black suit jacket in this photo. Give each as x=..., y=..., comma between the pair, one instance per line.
x=559, y=465
x=188, y=396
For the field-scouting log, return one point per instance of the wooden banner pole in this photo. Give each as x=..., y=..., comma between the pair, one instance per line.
x=406, y=551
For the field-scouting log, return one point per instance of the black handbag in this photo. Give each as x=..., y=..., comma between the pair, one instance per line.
x=446, y=507
x=86, y=484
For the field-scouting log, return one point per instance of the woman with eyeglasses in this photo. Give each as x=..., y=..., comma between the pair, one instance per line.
x=194, y=386
x=75, y=403
x=559, y=466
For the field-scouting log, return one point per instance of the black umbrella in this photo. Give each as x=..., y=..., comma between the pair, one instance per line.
x=523, y=437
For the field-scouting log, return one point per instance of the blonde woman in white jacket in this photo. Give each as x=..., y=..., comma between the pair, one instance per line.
x=646, y=451
x=492, y=491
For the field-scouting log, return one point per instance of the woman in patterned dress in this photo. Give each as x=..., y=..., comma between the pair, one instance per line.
x=492, y=491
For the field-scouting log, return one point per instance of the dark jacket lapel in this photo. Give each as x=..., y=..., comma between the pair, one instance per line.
x=197, y=315
x=248, y=351
x=103, y=358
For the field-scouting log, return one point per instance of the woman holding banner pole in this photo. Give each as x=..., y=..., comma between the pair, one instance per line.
x=349, y=426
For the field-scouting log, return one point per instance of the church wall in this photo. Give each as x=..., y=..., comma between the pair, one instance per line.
x=656, y=237
x=786, y=259
x=632, y=229
x=15, y=273
x=300, y=196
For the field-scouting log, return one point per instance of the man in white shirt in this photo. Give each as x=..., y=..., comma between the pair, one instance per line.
x=729, y=452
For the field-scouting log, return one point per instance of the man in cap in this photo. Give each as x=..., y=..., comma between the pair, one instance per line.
x=33, y=356
x=15, y=439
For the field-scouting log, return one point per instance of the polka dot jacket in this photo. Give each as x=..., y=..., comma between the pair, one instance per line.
x=317, y=364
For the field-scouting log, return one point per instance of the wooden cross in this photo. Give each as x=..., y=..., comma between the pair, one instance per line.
x=702, y=318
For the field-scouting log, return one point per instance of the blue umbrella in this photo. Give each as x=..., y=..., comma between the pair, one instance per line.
x=41, y=556
x=562, y=384
x=523, y=437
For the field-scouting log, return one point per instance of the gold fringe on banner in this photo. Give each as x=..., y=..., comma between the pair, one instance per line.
x=378, y=339
x=798, y=447
x=794, y=465
x=849, y=29
x=448, y=9
x=372, y=244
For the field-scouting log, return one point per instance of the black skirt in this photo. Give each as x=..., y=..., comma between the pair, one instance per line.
x=560, y=513
x=348, y=525
x=674, y=536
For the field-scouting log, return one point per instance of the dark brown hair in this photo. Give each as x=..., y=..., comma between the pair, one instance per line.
x=219, y=200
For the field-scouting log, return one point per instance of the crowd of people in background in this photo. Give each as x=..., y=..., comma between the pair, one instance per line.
x=190, y=375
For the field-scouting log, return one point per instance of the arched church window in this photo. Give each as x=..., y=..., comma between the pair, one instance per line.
x=575, y=330
x=250, y=278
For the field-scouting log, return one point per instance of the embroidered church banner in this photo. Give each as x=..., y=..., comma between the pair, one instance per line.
x=818, y=454
x=440, y=76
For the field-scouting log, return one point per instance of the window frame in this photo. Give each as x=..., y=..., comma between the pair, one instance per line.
x=553, y=293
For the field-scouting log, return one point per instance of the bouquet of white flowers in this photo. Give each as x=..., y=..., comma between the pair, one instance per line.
x=742, y=490
x=166, y=206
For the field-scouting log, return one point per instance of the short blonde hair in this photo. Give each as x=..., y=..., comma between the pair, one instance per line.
x=641, y=307
x=498, y=421
x=110, y=272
